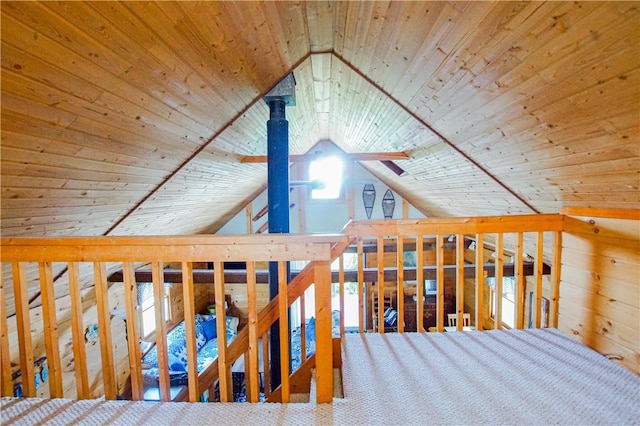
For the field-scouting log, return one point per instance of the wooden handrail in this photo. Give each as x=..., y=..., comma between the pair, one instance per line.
x=319, y=250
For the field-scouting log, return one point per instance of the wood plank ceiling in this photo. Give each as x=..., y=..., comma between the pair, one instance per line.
x=126, y=118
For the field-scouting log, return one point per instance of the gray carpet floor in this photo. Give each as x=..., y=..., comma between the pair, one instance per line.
x=490, y=377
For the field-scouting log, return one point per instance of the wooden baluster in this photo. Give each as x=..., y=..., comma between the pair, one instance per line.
x=51, y=341
x=400, y=281
x=519, y=277
x=104, y=331
x=24, y=329
x=480, y=281
x=555, y=278
x=5, y=361
x=283, y=322
x=380, y=267
x=539, y=271
x=459, y=280
x=360, y=286
x=190, y=330
x=224, y=372
x=440, y=282
x=133, y=334
x=420, y=283
x=157, y=277
x=324, y=344
x=252, y=358
x=341, y=284
x=303, y=328
x=266, y=380
x=77, y=331
x=499, y=265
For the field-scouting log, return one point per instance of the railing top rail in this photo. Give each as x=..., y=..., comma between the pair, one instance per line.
x=457, y=225
x=267, y=247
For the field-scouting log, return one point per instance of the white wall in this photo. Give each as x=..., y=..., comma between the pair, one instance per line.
x=323, y=216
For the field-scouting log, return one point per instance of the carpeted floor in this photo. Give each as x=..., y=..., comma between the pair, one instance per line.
x=506, y=377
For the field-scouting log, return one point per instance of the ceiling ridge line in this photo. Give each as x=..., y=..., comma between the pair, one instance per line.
x=201, y=148
x=434, y=131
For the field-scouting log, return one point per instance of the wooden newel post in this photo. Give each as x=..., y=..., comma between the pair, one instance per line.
x=324, y=344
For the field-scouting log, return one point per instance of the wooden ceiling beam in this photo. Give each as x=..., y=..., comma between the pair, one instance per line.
x=362, y=156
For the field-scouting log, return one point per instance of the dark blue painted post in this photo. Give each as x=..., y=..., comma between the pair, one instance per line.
x=278, y=202
x=281, y=96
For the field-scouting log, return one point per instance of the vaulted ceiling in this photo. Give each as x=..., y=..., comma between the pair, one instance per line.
x=133, y=117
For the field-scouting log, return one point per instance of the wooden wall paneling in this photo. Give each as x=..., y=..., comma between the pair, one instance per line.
x=133, y=333
x=51, y=330
x=224, y=369
x=251, y=357
x=104, y=330
x=24, y=329
x=5, y=362
x=480, y=282
x=283, y=308
x=190, y=329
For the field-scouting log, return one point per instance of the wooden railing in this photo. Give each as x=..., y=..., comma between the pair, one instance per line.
x=126, y=252
x=488, y=234
x=105, y=254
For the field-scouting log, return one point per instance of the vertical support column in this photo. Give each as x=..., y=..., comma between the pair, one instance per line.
x=278, y=203
x=480, y=282
x=555, y=279
x=324, y=346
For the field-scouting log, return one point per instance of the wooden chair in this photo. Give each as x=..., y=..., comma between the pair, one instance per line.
x=453, y=319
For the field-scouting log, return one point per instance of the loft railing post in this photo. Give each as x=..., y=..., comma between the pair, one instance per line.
x=555, y=278
x=324, y=345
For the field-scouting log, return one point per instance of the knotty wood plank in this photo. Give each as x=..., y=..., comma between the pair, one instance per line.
x=499, y=263
x=520, y=282
x=50, y=330
x=324, y=347
x=556, y=268
x=420, y=283
x=380, y=281
x=361, y=300
x=161, y=331
x=224, y=372
x=188, y=298
x=5, y=360
x=283, y=322
x=364, y=156
x=23, y=324
x=133, y=333
x=341, y=292
x=459, y=280
x=480, y=282
x=104, y=331
x=538, y=278
x=632, y=214
x=252, y=358
x=440, y=282
x=400, y=284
